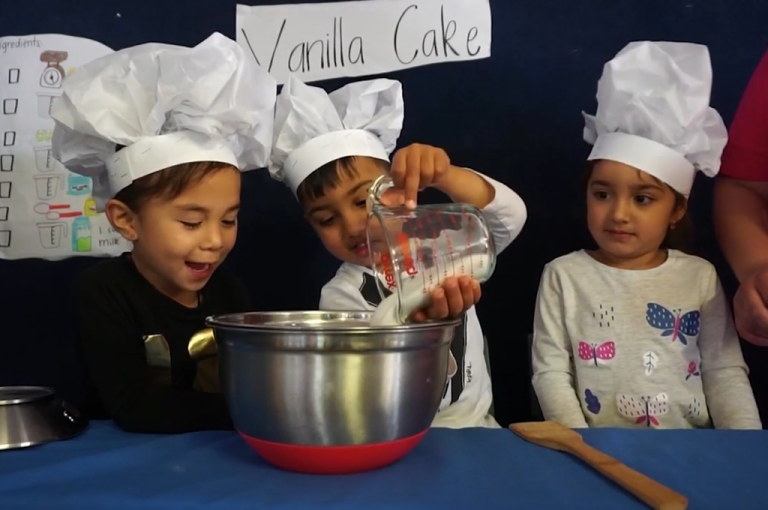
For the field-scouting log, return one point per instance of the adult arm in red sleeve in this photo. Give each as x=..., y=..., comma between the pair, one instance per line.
x=746, y=156
x=741, y=206
x=114, y=354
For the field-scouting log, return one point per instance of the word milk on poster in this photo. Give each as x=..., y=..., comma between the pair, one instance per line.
x=45, y=211
x=345, y=39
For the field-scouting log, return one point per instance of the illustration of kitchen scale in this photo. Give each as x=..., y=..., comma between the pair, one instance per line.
x=52, y=78
x=54, y=73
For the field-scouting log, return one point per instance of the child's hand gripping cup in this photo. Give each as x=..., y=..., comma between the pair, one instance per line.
x=413, y=251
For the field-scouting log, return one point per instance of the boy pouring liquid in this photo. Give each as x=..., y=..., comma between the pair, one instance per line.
x=164, y=132
x=329, y=149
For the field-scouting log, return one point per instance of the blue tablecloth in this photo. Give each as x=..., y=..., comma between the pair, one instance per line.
x=475, y=468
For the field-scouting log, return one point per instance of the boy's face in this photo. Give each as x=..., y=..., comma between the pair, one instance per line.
x=339, y=216
x=180, y=243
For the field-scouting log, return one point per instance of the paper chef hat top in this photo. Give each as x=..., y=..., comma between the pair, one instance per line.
x=313, y=128
x=653, y=113
x=167, y=105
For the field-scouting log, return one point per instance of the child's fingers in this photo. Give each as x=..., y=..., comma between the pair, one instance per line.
x=398, y=162
x=442, y=161
x=398, y=168
x=427, y=168
x=438, y=309
x=476, y=290
x=411, y=189
x=467, y=291
x=441, y=164
x=392, y=197
x=454, y=296
x=404, y=171
x=412, y=180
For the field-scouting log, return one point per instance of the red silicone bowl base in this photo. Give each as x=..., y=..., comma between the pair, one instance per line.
x=333, y=460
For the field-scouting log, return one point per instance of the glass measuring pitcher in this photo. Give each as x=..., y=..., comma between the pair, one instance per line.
x=413, y=251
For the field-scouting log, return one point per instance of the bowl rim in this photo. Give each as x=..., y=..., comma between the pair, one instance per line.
x=36, y=394
x=225, y=321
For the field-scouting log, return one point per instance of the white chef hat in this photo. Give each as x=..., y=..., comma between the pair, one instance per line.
x=167, y=105
x=653, y=113
x=313, y=128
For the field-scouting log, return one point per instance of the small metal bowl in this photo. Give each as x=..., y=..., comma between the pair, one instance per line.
x=34, y=415
x=324, y=392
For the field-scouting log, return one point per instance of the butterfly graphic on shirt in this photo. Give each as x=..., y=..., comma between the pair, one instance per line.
x=645, y=409
x=593, y=403
x=672, y=323
x=694, y=411
x=597, y=354
x=693, y=370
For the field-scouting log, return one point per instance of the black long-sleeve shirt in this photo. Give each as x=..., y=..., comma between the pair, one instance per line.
x=116, y=308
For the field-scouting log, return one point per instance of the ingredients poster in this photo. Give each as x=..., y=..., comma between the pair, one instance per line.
x=45, y=211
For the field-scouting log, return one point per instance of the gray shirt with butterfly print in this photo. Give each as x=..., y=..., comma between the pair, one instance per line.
x=638, y=348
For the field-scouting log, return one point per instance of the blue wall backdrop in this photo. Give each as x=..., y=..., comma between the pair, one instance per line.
x=515, y=116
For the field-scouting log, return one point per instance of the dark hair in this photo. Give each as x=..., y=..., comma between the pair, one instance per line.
x=329, y=176
x=168, y=183
x=677, y=238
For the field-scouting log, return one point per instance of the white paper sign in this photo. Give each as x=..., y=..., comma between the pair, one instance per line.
x=45, y=210
x=341, y=39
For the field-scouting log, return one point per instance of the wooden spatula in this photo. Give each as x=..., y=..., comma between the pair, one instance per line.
x=557, y=437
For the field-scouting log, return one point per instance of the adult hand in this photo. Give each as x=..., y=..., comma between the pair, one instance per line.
x=750, y=308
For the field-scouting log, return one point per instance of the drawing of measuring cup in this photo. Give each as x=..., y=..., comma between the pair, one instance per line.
x=43, y=159
x=51, y=233
x=47, y=186
x=55, y=212
x=45, y=104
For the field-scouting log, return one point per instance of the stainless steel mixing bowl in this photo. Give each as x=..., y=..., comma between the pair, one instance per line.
x=328, y=378
x=34, y=415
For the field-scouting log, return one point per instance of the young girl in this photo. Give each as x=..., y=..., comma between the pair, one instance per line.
x=164, y=132
x=636, y=333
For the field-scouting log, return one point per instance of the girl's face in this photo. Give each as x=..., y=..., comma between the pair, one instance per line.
x=628, y=214
x=178, y=244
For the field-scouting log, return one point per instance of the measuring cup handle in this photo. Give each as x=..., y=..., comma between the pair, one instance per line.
x=381, y=184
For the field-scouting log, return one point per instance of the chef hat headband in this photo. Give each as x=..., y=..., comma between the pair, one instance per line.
x=651, y=157
x=314, y=128
x=653, y=113
x=165, y=105
x=155, y=153
x=328, y=147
